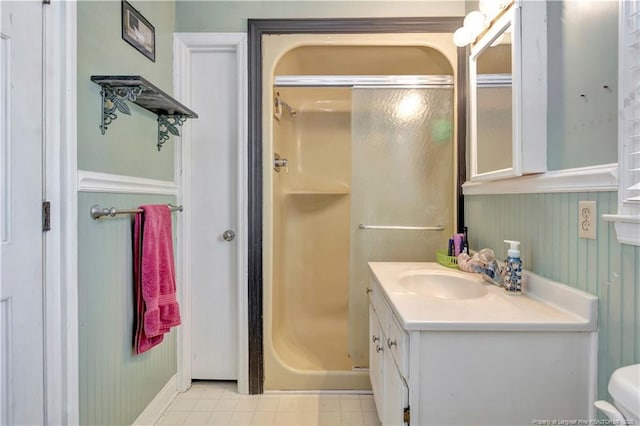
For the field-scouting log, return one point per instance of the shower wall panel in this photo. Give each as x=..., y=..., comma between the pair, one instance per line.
x=311, y=243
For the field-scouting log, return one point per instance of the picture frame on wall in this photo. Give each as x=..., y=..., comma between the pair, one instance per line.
x=138, y=31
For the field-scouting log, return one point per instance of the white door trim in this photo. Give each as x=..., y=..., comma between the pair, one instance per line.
x=60, y=273
x=184, y=45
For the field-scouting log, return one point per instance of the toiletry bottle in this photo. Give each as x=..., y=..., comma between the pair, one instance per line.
x=513, y=279
x=457, y=244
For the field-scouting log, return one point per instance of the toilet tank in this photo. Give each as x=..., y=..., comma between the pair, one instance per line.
x=624, y=388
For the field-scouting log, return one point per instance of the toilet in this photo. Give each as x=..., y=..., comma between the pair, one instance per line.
x=624, y=388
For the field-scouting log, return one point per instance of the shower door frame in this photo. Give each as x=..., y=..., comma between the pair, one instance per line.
x=256, y=29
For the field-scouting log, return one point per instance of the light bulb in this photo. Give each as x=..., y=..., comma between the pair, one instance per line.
x=462, y=37
x=490, y=8
x=475, y=22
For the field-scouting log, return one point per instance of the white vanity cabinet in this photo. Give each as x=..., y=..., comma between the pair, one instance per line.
x=495, y=359
x=388, y=347
x=508, y=95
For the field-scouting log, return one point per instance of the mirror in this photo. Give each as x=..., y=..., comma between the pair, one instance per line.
x=507, y=95
x=492, y=103
x=494, y=131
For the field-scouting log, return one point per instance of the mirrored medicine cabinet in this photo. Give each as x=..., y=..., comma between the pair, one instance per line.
x=508, y=95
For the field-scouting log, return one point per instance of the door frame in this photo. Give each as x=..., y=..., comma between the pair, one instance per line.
x=184, y=45
x=256, y=29
x=60, y=244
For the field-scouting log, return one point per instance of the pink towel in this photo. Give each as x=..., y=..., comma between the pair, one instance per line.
x=154, y=274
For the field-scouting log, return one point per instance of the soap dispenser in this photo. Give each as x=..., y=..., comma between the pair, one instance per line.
x=513, y=278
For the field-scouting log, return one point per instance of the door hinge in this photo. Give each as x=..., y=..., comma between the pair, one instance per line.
x=406, y=415
x=46, y=1
x=46, y=216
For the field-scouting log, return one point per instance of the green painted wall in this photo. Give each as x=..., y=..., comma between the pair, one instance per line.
x=547, y=226
x=583, y=58
x=129, y=145
x=232, y=16
x=115, y=385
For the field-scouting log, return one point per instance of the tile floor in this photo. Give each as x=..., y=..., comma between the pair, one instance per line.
x=218, y=403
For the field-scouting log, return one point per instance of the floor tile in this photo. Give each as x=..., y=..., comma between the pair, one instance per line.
x=286, y=418
x=247, y=404
x=347, y=405
x=173, y=418
x=353, y=418
x=267, y=404
x=227, y=404
x=329, y=403
x=219, y=403
x=264, y=418
x=367, y=405
x=240, y=418
x=220, y=418
x=198, y=418
x=183, y=404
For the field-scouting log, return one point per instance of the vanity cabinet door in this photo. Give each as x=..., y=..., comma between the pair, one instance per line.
x=375, y=361
x=396, y=394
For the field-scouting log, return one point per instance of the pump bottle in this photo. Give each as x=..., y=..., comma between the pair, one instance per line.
x=513, y=279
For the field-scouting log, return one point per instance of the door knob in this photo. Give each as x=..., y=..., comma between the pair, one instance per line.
x=229, y=235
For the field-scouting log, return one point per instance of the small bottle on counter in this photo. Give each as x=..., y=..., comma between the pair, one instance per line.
x=465, y=242
x=513, y=263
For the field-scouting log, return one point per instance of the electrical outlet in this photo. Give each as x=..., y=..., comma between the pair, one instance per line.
x=587, y=219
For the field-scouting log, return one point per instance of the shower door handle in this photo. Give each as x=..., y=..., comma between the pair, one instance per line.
x=229, y=235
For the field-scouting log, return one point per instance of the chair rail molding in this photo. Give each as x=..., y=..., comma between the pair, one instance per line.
x=582, y=179
x=89, y=181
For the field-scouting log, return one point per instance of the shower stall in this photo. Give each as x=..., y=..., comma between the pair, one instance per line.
x=360, y=168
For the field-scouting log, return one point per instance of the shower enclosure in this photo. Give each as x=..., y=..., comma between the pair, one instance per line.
x=361, y=168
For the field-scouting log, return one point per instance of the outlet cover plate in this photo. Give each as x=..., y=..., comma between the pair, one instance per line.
x=587, y=219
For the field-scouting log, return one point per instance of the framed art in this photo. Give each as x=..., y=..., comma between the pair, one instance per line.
x=138, y=32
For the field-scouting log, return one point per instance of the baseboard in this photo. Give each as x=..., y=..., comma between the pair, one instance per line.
x=156, y=407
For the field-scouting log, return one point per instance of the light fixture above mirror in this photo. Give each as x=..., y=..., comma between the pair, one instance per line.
x=476, y=22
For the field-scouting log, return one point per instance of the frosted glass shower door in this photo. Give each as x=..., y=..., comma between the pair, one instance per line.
x=402, y=174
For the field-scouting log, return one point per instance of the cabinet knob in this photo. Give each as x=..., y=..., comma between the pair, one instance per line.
x=379, y=348
x=374, y=338
x=369, y=290
x=391, y=343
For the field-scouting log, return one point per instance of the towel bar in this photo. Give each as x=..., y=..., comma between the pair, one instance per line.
x=402, y=228
x=97, y=211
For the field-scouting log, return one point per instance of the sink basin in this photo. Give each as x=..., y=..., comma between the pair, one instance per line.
x=442, y=285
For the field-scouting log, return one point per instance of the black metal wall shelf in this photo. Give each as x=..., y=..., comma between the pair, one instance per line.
x=117, y=89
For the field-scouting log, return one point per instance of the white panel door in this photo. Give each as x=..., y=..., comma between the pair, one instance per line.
x=21, y=192
x=212, y=212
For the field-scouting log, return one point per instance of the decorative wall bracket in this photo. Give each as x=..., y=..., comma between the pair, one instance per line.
x=117, y=90
x=114, y=99
x=167, y=124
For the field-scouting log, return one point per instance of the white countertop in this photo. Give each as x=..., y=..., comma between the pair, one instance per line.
x=545, y=305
